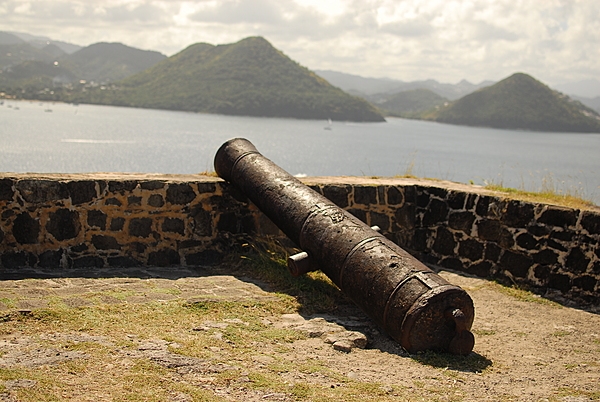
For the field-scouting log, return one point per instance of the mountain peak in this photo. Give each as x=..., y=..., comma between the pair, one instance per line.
x=519, y=102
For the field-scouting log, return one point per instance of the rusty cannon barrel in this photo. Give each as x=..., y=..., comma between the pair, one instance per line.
x=410, y=302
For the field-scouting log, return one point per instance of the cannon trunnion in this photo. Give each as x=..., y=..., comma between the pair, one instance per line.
x=409, y=301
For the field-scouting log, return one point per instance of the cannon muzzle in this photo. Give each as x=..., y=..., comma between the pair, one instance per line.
x=409, y=301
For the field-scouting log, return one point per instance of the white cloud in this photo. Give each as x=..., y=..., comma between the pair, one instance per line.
x=448, y=40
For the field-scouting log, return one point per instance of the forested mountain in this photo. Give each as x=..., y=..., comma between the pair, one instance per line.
x=249, y=77
x=519, y=102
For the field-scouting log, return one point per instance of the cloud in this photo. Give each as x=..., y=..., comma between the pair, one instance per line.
x=405, y=39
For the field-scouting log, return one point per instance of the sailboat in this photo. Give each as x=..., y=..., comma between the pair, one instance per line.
x=329, y=125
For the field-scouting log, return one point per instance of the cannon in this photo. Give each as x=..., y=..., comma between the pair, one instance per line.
x=409, y=301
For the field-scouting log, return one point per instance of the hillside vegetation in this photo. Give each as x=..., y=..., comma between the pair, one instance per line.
x=410, y=103
x=249, y=77
x=109, y=62
x=519, y=102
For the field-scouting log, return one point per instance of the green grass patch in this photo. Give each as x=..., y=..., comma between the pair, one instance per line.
x=545, y=196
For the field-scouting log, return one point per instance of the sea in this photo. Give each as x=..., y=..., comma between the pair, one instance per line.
x=42, y=137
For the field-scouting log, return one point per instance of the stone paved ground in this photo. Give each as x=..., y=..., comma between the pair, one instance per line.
x=527, y=348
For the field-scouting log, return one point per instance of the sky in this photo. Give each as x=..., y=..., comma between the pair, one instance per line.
x=555, y=41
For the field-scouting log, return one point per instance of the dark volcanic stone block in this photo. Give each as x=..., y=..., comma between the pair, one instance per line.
x=140, y=227
x=561, y=217
x=404, y=216
x=1, y=235
x=26, y=229
x=491, y=230
x=202, y=222
x=420, y=239
x=422, y=198
x=395, y=196
x=483, y=204
x=51, y=258
x=518, y=214
x=492, y=252
x=6, y=190
x=461, y=221
x=15, y=260
x=105, y=242
x=228, y=222
x=437, y=212
x=585, y=282
x=591, y=222
x=117, y=224
x=456, y=199
x=337, y=194
x=546, y=257
x=365, y=195
x=88, y=262
x=81, y=191
x=122, y=186
x=516, y=264
x=452, y=263
x=180, y=194
x=113, y=201
x=577, y=261
x=542, y=272
x=561, y=282
x=134, y=200
x=79, y=248
x=481, y=269
x=64, y=224
x=564, y=235
x=40, y=191
x=96, y=218
x=173, y=225
x=359, y=213
x=444, y=243
x=152, y=185
x=526, y=241
x=164, y=258
x=156, y=200
x=207, y=188
x=471, y=249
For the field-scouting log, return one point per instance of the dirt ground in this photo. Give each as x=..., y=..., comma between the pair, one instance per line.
x=528, y=348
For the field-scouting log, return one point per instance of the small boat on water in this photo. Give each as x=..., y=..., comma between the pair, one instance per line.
x=329, y=125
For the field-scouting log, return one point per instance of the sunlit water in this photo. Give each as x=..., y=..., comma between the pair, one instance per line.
x=62, y=138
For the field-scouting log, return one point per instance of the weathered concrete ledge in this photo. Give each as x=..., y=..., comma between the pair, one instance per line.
x=123, y=220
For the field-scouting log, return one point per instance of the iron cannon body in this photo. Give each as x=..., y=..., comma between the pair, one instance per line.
x=405, y=298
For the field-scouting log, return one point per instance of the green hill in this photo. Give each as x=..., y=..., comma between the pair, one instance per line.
x=249, y=77
x=410, y=103
x=109, y=62
x=519, y=102
x=34, y=75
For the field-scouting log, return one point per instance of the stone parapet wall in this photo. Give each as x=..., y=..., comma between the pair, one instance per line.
x=103, y=220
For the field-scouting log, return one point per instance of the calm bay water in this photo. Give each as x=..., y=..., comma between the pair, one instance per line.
x=88, y=138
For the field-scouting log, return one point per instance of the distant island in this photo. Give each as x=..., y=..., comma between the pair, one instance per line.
x=518, y=102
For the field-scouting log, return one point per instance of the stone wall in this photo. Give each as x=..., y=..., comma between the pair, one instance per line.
x=104, y=220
